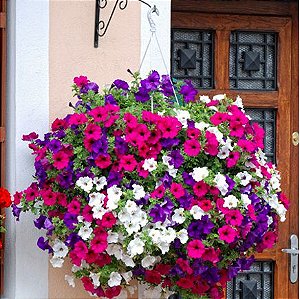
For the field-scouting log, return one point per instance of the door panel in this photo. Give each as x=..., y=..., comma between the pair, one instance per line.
x=251, y=56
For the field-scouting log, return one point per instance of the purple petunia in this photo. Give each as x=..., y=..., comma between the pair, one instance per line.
x=121, y=84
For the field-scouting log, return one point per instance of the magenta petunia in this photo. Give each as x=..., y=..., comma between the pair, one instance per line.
x=192, y=147
x=227, y=233
x=195, y=249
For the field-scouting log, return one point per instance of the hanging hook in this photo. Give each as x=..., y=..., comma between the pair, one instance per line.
x=151, y=22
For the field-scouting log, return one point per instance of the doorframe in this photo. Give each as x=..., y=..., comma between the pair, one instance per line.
x=274, y=9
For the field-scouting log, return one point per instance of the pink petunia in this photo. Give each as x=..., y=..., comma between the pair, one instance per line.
x=184, y=265
x=99, y=242
x=80, y=250
x=61, y=199
x=93, y=131
x=232, y=159
x=59, y=124
x=159, y=192
x=200, y=189
x=103, y=161
x=99, y=114
x=192, y=147
x=212, y=144
x=81, y=81
x=17, y=197
x=108, y=220
x=227, y=233
x=169, y=126
x=49, y=197
x=77, y=119
x=193, y=133
x=234, y=218
x=31, y=192
x=205, y=205
x=236, y=129
x=74, y=207
x=218, y=118
x=60, y=160
x=195, y=249
x=142, y=131
x=177, y=190
x=246, y=145
x=128, y=162
x=87, y=213
x=211, y=254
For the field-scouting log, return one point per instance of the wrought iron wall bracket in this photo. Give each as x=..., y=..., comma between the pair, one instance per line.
x=101, y=26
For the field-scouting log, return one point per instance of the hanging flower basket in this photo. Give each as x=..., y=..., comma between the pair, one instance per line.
x=138, y=184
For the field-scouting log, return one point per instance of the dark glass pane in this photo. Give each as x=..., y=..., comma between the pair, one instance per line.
x=192, y=57
x=258, y=282
x=266, y=118
x=252, y=60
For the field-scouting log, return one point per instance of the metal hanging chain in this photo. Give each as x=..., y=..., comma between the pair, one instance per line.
x=153, y=34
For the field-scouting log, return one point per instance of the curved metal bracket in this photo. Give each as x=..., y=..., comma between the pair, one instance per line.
x=151, y=22
x=101, y=26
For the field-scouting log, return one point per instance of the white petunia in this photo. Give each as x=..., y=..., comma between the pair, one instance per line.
x=115, y=250
x=246, y=200
x=85, y=231
x=100, y=183
x=205, y=99
x=114, y=193
x=155, y=235
x=60, y=250
x=112, y=237
x=138, y=191
x=96, y=279
x=164, y=247
x=148, y=261
x=199, y=173
x=201, y=125
x=245, y=178
x=96, y=199
x=70, y=280
x=131, y=206
x=221, y=183
x=178, y=216
x=128, y=261
x=230, y=202
x=173, y=172
x=223, y=152
x=239, y=102
x=169, y=235
x=85, y=183
x=57, y=262
x=197, y=212
x=98, y=212
x=132, y=228
x=182, y=116
x=150, y=164
x=114, y=279
x=166, y=161
x=182, y=235
x=127, y=276
x=218, y=97
x=135, y=246
x=124, y=216
x=275, y=183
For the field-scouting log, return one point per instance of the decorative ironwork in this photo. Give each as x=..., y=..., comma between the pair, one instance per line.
x=100, y=25
x=249, y=289
x=198, y=65
x=267, y=119
x=187, y=58
x=256, y=283
x=253, y=60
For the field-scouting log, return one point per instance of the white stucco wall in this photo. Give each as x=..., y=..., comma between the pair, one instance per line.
x=153, y=59
x=26, y=267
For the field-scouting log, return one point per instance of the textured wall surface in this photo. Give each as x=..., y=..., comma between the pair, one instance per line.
x=72, y=53
x=26, y=275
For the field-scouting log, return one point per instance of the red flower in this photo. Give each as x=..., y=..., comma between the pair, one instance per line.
x=163, y=269
x=185, y=282
x=177, y=190
x=81, y=81
x=5, y=198
x=59, y=124
x=128, y=162
x=200, y=188
x=49, y=197
x=153, y=276
x=113, y=292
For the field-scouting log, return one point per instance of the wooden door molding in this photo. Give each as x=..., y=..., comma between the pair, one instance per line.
x=267, y=16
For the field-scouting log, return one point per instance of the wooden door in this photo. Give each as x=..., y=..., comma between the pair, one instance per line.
x=250, y=48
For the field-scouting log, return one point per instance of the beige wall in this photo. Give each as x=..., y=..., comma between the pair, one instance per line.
x=72, y=53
